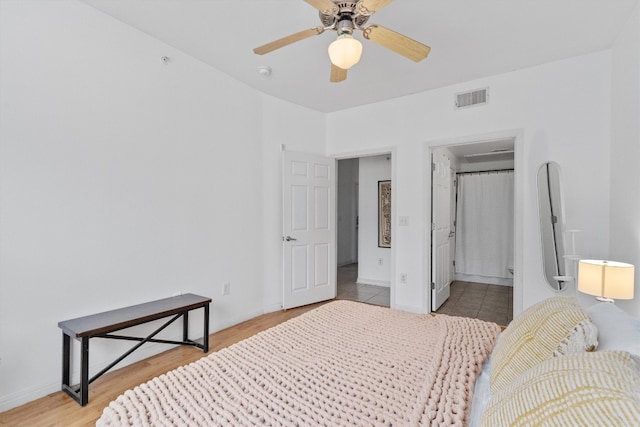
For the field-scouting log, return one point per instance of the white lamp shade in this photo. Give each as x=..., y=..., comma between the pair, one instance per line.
x=345, y=51
x=606, y=279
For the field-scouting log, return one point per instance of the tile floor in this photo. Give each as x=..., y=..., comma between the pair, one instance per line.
x=492, y=303
x=349, y=289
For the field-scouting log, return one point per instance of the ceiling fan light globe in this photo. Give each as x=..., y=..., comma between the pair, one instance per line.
x=345, y=51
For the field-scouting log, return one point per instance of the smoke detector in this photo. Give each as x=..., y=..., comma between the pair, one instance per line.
x=264, y=71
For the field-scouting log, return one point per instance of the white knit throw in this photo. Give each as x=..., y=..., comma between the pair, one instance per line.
x=344, y=363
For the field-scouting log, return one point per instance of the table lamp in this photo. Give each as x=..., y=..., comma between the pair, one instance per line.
x=607, y=280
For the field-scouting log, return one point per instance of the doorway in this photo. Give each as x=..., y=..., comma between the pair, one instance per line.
x=364, y=268
x=464, y=280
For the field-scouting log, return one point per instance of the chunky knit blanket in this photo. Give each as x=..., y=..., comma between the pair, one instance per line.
x=344, y=363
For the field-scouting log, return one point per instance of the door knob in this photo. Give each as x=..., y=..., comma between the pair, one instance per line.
x=289, y=238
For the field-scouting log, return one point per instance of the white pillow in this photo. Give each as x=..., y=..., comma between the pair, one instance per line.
x=617, y=330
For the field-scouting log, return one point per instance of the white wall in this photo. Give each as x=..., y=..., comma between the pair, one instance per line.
x=625, y=154
x=347, y=211
x=370, y=271
x=562, y=110
x=124, y=180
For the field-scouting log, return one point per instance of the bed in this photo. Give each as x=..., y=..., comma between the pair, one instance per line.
x=348, y=363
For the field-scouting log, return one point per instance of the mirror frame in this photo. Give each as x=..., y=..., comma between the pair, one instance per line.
x=551, y=220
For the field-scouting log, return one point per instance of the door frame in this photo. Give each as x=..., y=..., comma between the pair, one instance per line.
x=391, y=150
x=518, y=224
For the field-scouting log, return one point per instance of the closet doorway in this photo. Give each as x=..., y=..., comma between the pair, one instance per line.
x=364, y=267
x=472, y=243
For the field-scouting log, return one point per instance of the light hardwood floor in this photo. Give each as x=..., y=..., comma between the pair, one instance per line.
x=58, y=409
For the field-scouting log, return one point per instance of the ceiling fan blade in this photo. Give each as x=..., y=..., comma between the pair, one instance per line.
x=337, y=74
x=368, y=7
x=398, y=43
x=277, y=44
x=323, y=5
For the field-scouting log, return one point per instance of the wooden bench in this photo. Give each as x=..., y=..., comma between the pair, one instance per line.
x=102, y=325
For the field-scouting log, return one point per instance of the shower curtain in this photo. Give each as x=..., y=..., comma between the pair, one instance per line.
x=484, y=224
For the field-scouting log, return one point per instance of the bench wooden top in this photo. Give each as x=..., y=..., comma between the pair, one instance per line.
x=125, y=317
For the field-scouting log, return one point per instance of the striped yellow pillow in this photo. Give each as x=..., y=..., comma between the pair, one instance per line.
x=555, y=326
x=589, y=389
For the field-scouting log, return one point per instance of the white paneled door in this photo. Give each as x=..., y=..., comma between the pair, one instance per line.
x=309, y=232
x=441, y=230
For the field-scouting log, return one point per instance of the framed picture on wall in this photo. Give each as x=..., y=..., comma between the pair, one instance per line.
x=384, y=214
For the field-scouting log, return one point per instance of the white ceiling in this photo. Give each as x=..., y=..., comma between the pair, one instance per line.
x=469, y=40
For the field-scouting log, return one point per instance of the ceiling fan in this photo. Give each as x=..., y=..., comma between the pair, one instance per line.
x=344, y=17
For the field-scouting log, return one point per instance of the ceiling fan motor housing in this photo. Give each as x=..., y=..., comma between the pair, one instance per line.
x=347, y=15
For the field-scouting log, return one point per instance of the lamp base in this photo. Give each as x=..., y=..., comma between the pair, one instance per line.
x=603, y=299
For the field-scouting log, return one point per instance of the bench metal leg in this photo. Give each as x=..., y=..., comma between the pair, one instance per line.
x=185, y=326
x=205, y=339
x=66, y=359
x=84, y=374
x=185, y=330
x=80, y=395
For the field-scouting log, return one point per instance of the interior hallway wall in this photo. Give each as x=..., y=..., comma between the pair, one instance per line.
x=347, y=211
x=373, y=261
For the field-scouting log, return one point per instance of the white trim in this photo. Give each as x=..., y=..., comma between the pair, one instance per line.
x=272, y=308
x=500, y=281
x=373, y=282
x=12, y=400
x=408, y=308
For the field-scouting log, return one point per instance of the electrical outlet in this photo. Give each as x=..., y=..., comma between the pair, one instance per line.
x=403, y=278
x=404, y=221
x=226, y=288
x=379, y=261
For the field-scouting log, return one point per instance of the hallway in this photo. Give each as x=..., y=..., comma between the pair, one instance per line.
x=492, y=303
x=350, y=290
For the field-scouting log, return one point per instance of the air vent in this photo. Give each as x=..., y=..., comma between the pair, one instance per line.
x=472, y=98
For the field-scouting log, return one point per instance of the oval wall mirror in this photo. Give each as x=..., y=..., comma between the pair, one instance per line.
x=551, y=225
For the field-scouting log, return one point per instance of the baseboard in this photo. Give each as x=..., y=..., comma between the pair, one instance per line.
x=374, y=282
x=272, y=307
x=501, y=281
x=408, y=308
x=21, y=397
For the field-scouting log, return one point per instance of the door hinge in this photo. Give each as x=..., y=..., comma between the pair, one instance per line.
x=433, y=167
x=433, y=286
x=433, y=226
x=454, y=262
